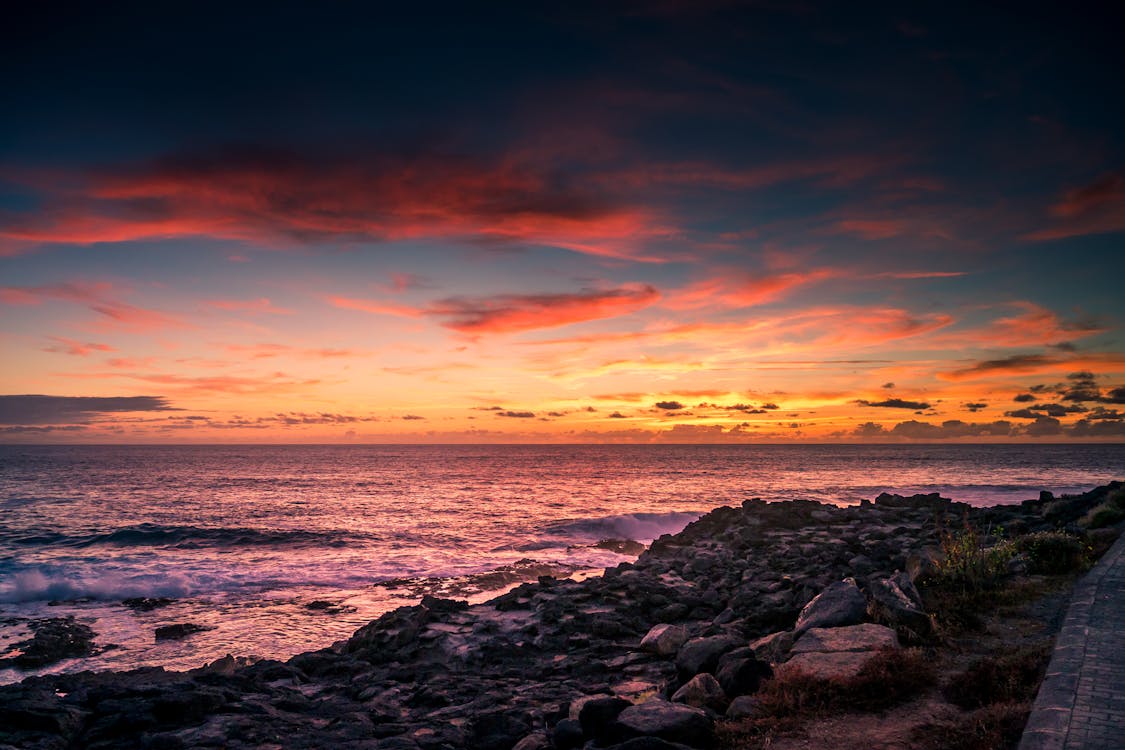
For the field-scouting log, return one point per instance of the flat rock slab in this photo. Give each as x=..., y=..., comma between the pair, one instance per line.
x=841, y=665
x=865, y=637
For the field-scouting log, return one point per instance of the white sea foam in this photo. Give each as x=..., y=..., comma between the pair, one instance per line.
x=643, y=527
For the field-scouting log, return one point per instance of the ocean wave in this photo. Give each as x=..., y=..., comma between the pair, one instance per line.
x=35, y=585
x=642, y=527
x=184, y=537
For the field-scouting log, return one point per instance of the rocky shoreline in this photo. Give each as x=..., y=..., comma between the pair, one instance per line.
x=649, y=655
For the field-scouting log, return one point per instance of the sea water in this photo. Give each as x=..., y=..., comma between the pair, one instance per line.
x=243, y=539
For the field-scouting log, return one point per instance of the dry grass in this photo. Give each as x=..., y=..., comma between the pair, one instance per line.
x=890, y=678
x=1007, y=678
x=994, y=727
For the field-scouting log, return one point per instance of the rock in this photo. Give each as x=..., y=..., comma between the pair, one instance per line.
x=53, y=639
x=841, y=603
x=742, y=707
x=664, y=639
x=831, y=664
x=896, y=601
x=179, y=630
x=774, y=648
x=742, y=676
x=648, y=743
x=146, y=603
x=539, y=741
x=702, y=654
x=924, y=563
x=597, y=716
x=864, y=637
x=668, y=721
x=577, y=704
x=702, y=691
x=567, y=735
x=620, y=546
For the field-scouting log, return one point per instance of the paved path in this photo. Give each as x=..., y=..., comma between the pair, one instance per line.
x=1081, y=704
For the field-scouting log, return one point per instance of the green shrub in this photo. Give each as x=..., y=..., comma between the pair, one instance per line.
x=968, y=565
x=1109, y=513
x=1053, y=552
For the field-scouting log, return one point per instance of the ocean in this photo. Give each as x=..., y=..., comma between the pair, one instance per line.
x=282, y=549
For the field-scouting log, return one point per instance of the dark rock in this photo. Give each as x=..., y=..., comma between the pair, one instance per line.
x=702, y=691
x=179, y=630
x=842, y=603
x=53, y=639
x=742, y=676
x=702, y=654
x=147, y=603
x=567, y=734
x=668, y=721
x=597, y=716
x=896, y=601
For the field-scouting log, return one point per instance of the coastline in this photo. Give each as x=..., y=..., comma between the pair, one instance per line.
x=511, y=671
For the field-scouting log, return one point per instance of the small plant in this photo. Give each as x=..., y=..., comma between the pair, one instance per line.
x=1053, y=552
x=1013, y=677
x=968, y=565
x=1109, y=513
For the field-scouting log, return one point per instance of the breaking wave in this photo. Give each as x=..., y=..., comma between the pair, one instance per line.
x=643, y=527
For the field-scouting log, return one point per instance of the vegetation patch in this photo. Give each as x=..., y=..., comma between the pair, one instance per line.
x=1007, y=678
x=991, y=728
x=1109, y=513
x=889, y=678
x=968, y=564
x=1054, y=552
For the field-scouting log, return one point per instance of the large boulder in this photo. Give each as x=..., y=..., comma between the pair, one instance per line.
x=702, y=691
x=673, y=722
x=896, y=601
x=773, y=648
x=664, y=639
x=839, y=653
x=53, y=639
x=597, y=716
x=702, y=654
x=742, y=676
x=842, y=603
x=864, y=637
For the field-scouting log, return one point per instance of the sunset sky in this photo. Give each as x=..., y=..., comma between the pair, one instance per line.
x=578, y=222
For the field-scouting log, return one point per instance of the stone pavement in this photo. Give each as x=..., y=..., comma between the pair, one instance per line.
x=1081, y=703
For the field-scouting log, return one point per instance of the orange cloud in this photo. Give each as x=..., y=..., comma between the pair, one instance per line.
x=260, y=305
x=77, y=348
x=271, y=197
x=1096, y=208
x=96, y=297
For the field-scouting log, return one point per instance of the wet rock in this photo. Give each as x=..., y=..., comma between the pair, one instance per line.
x=842, y=603
x=702, y=654
x=53, y=639
x=621, y=546
x=702, y=691
x=146, y=603
x=673, y=722
x=664, y=639
x=179, y=630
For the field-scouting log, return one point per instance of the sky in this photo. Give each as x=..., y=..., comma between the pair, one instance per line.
x=562, y=222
